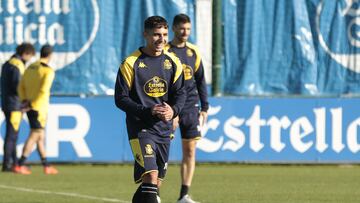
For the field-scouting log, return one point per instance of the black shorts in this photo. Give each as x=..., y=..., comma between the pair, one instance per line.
x=189, y=124
x=37, y=119
x=149, y=156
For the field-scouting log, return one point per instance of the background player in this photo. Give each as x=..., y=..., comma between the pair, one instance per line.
x=34, y=92
x=150, y=89
x=190, y=119
x=11, y=74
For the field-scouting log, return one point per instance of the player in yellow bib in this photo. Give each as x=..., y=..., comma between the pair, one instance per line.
x=34, y=92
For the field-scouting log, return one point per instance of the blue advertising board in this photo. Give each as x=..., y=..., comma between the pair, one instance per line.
x=279, y=130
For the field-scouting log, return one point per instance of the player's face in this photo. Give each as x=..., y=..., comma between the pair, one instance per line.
x=27, y=56
x=156, y=38
x=182, y=31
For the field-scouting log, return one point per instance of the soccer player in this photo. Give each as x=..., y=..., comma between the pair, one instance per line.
x=150, y=90
x=189, y=119
x=34, y=92
x=11, y=73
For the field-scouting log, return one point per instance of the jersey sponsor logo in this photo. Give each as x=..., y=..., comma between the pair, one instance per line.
x=189, y=53
x=49, y=22
x=142, y=65
x=346, y=53
x=188, y=71
x=156, y=87
x=167, y=64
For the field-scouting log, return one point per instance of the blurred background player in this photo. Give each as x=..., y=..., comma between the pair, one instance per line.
x=189, y=119
x=150, y=89
x=11, y=74
x=34, y=92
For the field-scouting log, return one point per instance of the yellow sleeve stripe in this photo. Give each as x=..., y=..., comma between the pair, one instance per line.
x=197, y=53
x=178, y=64
x=167, y=47
x=18, y=63
x=127, y=68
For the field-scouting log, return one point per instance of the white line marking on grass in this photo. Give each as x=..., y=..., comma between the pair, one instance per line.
x=62, y=194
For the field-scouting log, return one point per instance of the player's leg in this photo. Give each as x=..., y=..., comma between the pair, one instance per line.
x=145, y=170
x=187, y=164
x=35, y=133
x=162, y=154
x=190, y=133
x=13, y=120
x=41, y=121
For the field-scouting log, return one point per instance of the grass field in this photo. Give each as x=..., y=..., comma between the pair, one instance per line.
x=212, y=184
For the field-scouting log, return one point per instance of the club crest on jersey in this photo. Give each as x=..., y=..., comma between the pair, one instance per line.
x=156, y=87
x=142, y=65
x=149, y=150
x=189, y=53
x=188, y=72
x=167, y=64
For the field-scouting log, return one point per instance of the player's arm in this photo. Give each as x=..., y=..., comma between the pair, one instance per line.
x=178, y=94
x=45, y=87
x=123, y=85
x=201, y=85
x=14, y=75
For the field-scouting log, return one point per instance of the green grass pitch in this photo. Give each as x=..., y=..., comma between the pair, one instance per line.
x=213, y=183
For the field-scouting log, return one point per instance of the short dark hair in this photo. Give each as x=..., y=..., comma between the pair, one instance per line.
x=155, y=22
x=181, y=18
x=25, y=48
x=45, y=51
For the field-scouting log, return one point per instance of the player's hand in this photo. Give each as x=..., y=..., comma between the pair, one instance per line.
x=168, y=113
x=175, y=123
x=163, y=111
x=25, y=106
x=203, y=118
x=157, y=110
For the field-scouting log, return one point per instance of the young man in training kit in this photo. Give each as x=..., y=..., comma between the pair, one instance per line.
x=150, y=90
x=34, y=92
x=11, y=74
x=189, y=119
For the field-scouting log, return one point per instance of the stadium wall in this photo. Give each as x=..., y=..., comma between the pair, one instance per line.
x=256, y=130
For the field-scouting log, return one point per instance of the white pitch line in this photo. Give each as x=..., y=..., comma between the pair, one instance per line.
x=62, y=194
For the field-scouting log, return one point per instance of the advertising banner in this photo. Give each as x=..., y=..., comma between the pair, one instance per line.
x=238, y=130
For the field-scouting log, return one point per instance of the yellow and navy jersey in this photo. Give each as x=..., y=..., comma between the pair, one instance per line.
x=11, y=73
x=35, y=85
x=194, y=75
x=144, y=81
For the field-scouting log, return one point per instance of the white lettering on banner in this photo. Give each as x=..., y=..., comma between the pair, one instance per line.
x=53, y=34
x=337, y=144
x=55, y=135
x=298, y=130
x=302, y=134
x=352, y=141
x=321, y=145
x=206, y=144
x=237, y=136
x=49, y=25
x=276, y=125
x=255, y=123
x=75, y=136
